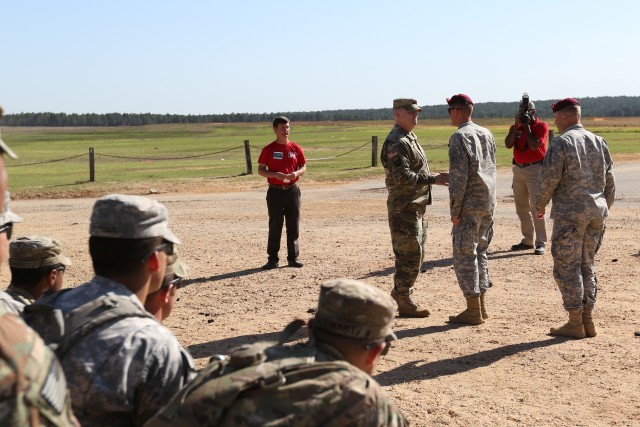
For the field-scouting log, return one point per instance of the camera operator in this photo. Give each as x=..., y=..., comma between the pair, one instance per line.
x=528, y=137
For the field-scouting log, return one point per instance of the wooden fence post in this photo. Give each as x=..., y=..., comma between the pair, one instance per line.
x=92, y=165
x=247, y=154
x=374, y=151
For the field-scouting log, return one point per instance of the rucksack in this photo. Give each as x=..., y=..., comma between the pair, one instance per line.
x=261, y=366
x=62, y=331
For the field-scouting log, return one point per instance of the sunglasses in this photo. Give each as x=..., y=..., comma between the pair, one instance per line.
x=176, y=283
x=8, y=229
x=385, y=350
x=167, y=248
x=452, y=108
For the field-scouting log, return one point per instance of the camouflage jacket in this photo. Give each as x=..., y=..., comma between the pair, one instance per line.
x=123, y=372
x=268, y=384
x=9, y=303
x=404, y=160
x=577, y=175
x=20, y=295
x=33, y=389
x=472, y=170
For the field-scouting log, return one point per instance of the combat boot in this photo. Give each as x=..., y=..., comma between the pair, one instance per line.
x=483, y=308
x=408, y=308
x=587, y=322
x=472, y=315
x=573, y=328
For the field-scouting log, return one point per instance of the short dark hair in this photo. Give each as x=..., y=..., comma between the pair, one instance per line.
x=115, y=256
x=280, y=120
x=29, y=277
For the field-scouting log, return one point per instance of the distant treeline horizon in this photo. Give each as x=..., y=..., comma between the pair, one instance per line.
x=602, y=106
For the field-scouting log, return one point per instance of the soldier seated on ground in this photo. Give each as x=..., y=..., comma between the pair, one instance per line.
x=160, y=303
x=37, y=265
x=325, y=381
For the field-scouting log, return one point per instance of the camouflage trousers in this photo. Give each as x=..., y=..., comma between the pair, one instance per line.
x=573, y=249
x=470, y=241
x=408, y=239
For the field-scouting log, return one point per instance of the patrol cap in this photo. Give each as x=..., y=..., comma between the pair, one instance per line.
x=563, y=103
x=4, y=148
x=408, y=104
x=8, y=216
x=120, y=216
x=175, y=266
x=36, y=252
x=355, y=310
x=460, y=98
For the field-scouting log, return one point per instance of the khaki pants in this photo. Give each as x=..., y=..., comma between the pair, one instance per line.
x=524, y=185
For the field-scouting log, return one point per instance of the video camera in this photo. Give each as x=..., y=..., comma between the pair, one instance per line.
x=525, y=117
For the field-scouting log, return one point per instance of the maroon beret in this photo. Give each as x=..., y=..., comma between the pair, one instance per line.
x=459, y=98
x=563, y=103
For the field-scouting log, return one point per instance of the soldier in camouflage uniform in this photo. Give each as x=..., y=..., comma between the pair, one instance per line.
x=37, y=264
x=160, y=303
x=472, y=192
x=33, y=390
x=121, y=372
x=324, y=382
x=577, y=176
x=409, y=182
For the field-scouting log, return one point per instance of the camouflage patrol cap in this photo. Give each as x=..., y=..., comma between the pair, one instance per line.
x=8, y=216
x=36, y=252
x=408, y=104
x=4, y=148
x=120, y=216
x=355, y=310
x=175, y=266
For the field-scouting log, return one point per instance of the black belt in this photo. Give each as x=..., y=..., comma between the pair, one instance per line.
x=526, y=165
x=283, y=187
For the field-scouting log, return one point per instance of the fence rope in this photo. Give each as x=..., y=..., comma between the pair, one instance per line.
x=167, y=158
x=340, y=155
x=45, y=161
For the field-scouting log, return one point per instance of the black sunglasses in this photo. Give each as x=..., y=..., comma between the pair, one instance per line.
x=176, y=283
x=8, y=229
x=452, y=108
x=166, y=247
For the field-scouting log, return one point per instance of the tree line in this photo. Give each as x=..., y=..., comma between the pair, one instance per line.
x=603, y=106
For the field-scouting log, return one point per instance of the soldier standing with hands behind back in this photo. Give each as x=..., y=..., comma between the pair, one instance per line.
x=528, y=138
x=409, y=182
x=577, y=175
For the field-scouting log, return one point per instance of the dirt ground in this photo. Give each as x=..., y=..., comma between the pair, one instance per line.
x=508, y=371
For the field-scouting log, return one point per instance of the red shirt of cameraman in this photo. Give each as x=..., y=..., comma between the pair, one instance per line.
x=521, y=152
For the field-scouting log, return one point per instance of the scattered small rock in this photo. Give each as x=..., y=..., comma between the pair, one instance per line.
x=153, y=191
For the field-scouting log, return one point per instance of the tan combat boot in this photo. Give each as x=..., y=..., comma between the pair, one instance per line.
x=408, y=308
x=573, y=328
x=472, y=315
x=483, y=308
x=587, y=322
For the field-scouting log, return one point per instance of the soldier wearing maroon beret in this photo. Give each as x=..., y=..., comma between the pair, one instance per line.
x=472, y=193
x=577, y=176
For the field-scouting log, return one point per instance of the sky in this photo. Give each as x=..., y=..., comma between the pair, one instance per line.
x=246, y=56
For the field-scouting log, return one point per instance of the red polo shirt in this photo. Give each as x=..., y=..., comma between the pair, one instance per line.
x=521, y=153
x=285, y=158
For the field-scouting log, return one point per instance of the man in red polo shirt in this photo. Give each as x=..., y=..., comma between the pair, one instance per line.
x=282, y=162
x=528, y=138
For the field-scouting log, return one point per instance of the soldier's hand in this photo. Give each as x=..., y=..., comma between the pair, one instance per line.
x=455, y=220
x=442, y=178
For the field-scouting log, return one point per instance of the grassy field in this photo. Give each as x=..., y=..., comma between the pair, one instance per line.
x=54, y=162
